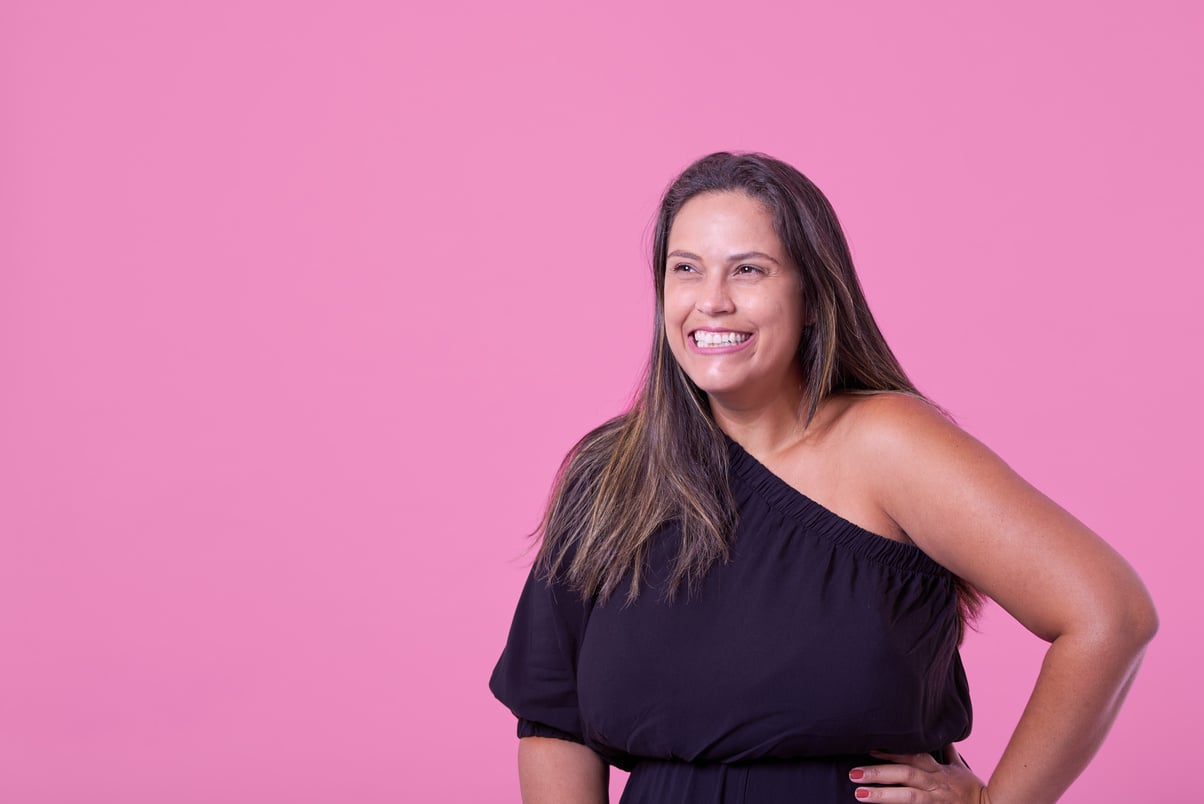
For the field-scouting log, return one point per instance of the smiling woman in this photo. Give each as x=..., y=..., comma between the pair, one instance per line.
x=799, y=538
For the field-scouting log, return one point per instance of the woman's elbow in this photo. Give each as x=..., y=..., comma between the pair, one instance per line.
x=1126, y=622
x=1144, y=620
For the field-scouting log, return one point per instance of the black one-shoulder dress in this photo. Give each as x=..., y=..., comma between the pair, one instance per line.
x=817, y=642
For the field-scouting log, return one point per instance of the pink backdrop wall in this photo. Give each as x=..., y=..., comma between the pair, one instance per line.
x=301, y=304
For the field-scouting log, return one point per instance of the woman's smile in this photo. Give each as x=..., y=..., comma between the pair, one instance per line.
x=718, y=341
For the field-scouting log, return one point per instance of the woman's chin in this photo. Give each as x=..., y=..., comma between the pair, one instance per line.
x=719, y=384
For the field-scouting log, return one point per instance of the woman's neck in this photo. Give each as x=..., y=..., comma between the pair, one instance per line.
x=767, y=428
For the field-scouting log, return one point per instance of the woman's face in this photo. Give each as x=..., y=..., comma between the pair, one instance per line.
x=733, y=302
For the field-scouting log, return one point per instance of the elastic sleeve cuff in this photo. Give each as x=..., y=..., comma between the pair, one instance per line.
x=532, y=728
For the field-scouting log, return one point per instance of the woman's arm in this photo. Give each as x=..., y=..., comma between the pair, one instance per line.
x=552, y=771
x=971, y=513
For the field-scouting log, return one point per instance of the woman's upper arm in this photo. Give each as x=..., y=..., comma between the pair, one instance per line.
x=964, y=507
x=553, y=771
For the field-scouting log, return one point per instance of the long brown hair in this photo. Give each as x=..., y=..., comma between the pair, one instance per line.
x=665, y=459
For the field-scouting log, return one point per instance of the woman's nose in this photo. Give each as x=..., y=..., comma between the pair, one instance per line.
x=715, y=298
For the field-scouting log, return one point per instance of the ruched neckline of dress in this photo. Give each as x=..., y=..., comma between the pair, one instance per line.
x=807, y=515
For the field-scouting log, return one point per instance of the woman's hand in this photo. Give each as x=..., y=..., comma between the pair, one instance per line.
x=920, y=779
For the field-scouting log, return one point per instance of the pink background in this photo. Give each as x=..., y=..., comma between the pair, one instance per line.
x=301, y=304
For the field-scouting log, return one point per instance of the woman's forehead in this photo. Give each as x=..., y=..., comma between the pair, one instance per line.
x=727, y=223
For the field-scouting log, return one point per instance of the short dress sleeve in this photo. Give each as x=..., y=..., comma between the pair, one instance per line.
x=536, y=676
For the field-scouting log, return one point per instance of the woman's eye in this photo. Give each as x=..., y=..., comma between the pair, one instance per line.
x=748, y=269
x=683, y=267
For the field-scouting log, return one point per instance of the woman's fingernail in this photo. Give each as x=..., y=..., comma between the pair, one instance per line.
x=856, y=774
x=863, y=792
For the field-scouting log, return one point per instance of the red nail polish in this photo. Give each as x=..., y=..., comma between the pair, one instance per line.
x=856, y=774
x=862, y=792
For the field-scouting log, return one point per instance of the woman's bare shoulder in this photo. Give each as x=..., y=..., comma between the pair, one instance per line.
x=902, y=443
x=878, y=420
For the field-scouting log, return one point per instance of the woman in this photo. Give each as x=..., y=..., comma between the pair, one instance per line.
x=752, y=585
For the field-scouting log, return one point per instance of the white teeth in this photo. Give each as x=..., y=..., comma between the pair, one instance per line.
x=704, y=338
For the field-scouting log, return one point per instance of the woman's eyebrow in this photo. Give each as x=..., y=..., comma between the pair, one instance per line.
x=750, y=255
